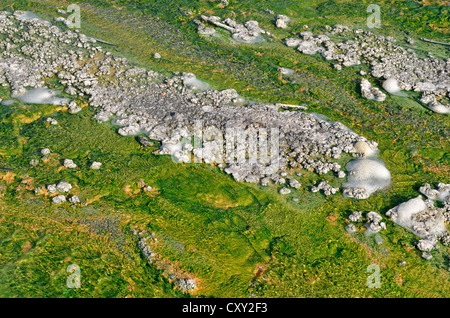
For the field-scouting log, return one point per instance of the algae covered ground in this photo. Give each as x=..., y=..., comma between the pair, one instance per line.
x=235, y=239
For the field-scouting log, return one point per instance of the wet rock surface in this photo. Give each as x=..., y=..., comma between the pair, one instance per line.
x=249, y=32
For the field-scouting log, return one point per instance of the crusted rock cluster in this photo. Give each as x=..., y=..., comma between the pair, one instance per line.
x=374, y=224
x=63, y=186
x=59, y=199
x=350, y=228
x=52, y=121
x=249, y=32
x=293, y=183
x=203, y=29
x=325, y=187
x=284, y=191
x=74, y=199
x=45, y=152
x=68, y=163
x=370, y=92
x=185, y=284
x=432, y=103
x=58, y=189
x=73, y=107
x=96, y=165
x=442, y=193
x=281, y=21
x=355, y=216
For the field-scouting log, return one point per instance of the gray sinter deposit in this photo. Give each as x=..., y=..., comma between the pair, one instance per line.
x=143, y=101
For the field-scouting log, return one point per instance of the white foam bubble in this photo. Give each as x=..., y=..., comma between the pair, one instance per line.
x=41, y=96
x=192, y=82
x=403, y=215
x=368, y=174
x=391, y=86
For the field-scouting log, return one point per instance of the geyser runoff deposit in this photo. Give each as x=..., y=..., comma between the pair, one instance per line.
x=192, y=82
